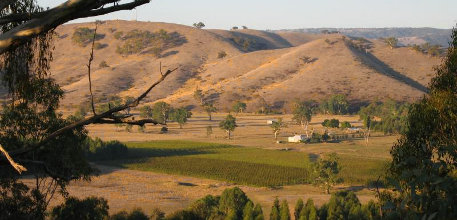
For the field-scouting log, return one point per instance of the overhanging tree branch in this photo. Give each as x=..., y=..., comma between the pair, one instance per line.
x=43, y=22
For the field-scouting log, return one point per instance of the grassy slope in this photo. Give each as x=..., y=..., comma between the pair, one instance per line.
x=276, y=74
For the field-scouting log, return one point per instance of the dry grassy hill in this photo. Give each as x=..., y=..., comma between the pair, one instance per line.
x=275, y=67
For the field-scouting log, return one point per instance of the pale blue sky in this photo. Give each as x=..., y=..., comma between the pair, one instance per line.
x=288, y=14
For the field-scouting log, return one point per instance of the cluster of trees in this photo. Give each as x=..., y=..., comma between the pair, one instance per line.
x=82, y=36
x=232, y=204
x=163, y=112
x=389, y=117
x=199, y=25
x=427, y=48
x=137, y=40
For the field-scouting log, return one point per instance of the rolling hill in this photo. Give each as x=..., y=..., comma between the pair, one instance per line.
x=248, y=65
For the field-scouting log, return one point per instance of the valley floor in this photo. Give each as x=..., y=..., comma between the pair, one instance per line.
x=126, y=189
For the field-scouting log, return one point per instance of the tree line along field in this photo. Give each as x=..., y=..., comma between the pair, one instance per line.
x=240, y=165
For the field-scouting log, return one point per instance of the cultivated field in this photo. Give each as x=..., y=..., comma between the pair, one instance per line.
x=171, y=170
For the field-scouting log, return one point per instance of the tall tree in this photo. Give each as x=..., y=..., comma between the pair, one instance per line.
x=284, y=211
x=277, y=126
x=209, y=109
x=326, y=172
x=274, y=214
x=424, y=159
x=180, y=115
x=161, y=111
x=302, y=113
x=228, y=125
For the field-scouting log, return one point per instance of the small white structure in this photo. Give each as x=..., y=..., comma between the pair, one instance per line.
x=270, y=122
x=297, y=138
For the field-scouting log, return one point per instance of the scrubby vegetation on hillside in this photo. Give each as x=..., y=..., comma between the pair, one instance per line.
x=137, y=41
x=82, y=36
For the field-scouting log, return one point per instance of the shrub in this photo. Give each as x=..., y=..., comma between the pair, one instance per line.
x=333, y=123
x=83, y=36
x=73, y=208
x=163, y=130
x=221, y=54
x=103, y=64
x=136, y=41
x=345, y=124
x=118, y=35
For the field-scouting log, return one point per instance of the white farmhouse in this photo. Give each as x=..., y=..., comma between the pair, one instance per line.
x=270, y=122
x=297, y=138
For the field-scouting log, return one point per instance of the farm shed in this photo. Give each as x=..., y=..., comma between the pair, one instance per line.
x=297, y=138
x=270, y=122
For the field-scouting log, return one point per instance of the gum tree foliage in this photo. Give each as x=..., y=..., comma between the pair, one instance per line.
x=302, y=113
x=29, y=117
x=277, y=126
x=180, y=115
x=239, y=107
x=161, y=111
x=393, y=116
x=228, y=125
x=209, y=109
x=335, y=105
x=424, y=159
x=233, y=201
x=74, y=208
x=326, y=172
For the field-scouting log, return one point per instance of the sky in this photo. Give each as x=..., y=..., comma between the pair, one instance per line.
x=292, y=14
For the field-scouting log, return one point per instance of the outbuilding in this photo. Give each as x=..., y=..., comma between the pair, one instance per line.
x=298, y=138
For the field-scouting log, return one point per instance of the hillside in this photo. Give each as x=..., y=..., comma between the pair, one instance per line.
x=405, y=36
x=275, y=67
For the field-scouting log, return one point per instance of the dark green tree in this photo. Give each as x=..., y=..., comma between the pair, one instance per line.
x=275, y=214
x=248, y=211
x=233, y=200
x=239, y=107
x=209, y=109
x=302, y=113
x=199, y=25
x=326, y=172
x=298, y=208
x=277, y=126
x=258, y=213
x=180, y=115
x=91, y=208
x=284, y=211
x=424, y=159
x=161, y=112
x=228, y=125
x=205, y=207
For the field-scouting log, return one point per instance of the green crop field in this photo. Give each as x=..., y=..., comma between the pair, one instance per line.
x=241, y=165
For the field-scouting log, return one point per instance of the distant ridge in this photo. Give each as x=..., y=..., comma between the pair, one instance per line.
x=405, y=35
